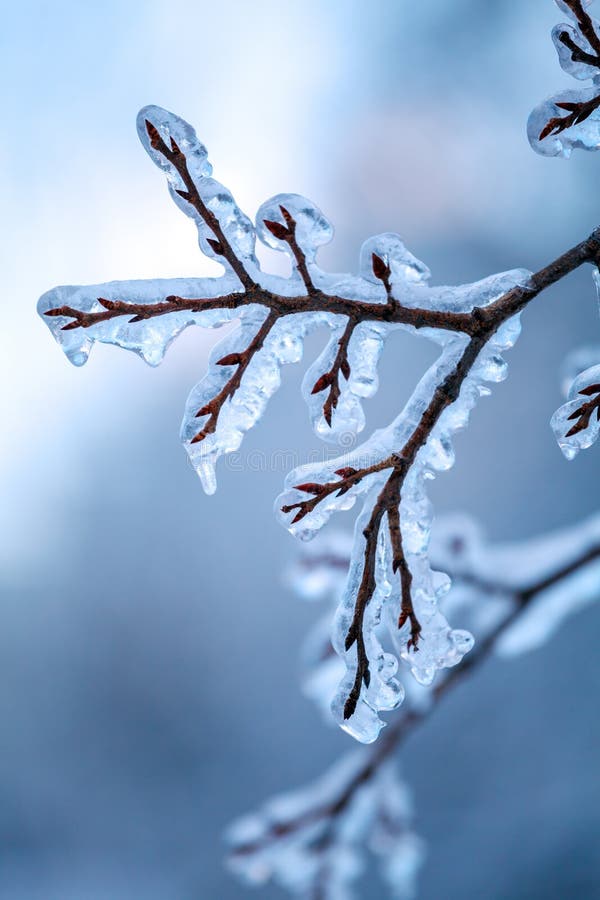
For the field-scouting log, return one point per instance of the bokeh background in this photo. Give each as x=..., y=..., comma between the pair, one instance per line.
x=148, y=680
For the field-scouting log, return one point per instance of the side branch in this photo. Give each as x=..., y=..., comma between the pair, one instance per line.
x=488, y=320
x=577, y=53
x=400, y=563
x=220, y=244
x=241, y=360
x=577, y=113
x=586, y=26
x=287, y=233
x=331, y=379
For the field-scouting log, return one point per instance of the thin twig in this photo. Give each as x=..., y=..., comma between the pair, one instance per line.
x=331, y=379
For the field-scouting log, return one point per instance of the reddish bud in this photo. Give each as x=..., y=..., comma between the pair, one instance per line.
x=346, y=472
x=310, y=487
x=232, y=359
x=289, y=219
x=345, y=367
x=216, y=246
x=321, y=383
x=590, y=389
x=277, y=229
x=153, y=134
x=576, y=414
x=381, y=269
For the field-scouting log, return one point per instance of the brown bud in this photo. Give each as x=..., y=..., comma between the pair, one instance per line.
x=381, y=269
x=321, y=383
x=232, y=359
x=310, y=487
x=346, y=472
x=216, y=246
x=289, y=219
x=590, y=389
x=345, y=367
x=153, y=134
x=277, y=229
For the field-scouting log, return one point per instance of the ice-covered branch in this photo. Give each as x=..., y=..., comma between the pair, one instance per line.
x=578, y=49
x=391, y=576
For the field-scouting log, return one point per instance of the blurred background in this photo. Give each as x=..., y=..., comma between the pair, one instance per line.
x=148, y=684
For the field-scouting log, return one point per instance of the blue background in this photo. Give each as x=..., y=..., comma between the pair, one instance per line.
x=148, y=687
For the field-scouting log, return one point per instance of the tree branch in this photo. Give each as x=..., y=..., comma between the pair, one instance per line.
x=577, y=113
x=487, y=321
x=478, y=325
x=586, y=26
x=241, y=361
x=577, y=53
x=220, y=245
x=331, y=379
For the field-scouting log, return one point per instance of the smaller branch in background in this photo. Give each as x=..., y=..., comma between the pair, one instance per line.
x=312, y=825
x=583, y=415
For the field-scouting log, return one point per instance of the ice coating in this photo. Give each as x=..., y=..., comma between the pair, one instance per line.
x=313, y=229
x=579, y=58
x=241, y=411
x=577, y=361
x=583, y=136
x=406, y=269
x=579, y=69
x=149, y=338
x=576, y=424
x=364, y=349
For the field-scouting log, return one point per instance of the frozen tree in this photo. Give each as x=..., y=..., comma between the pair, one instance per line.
x=394, y=607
